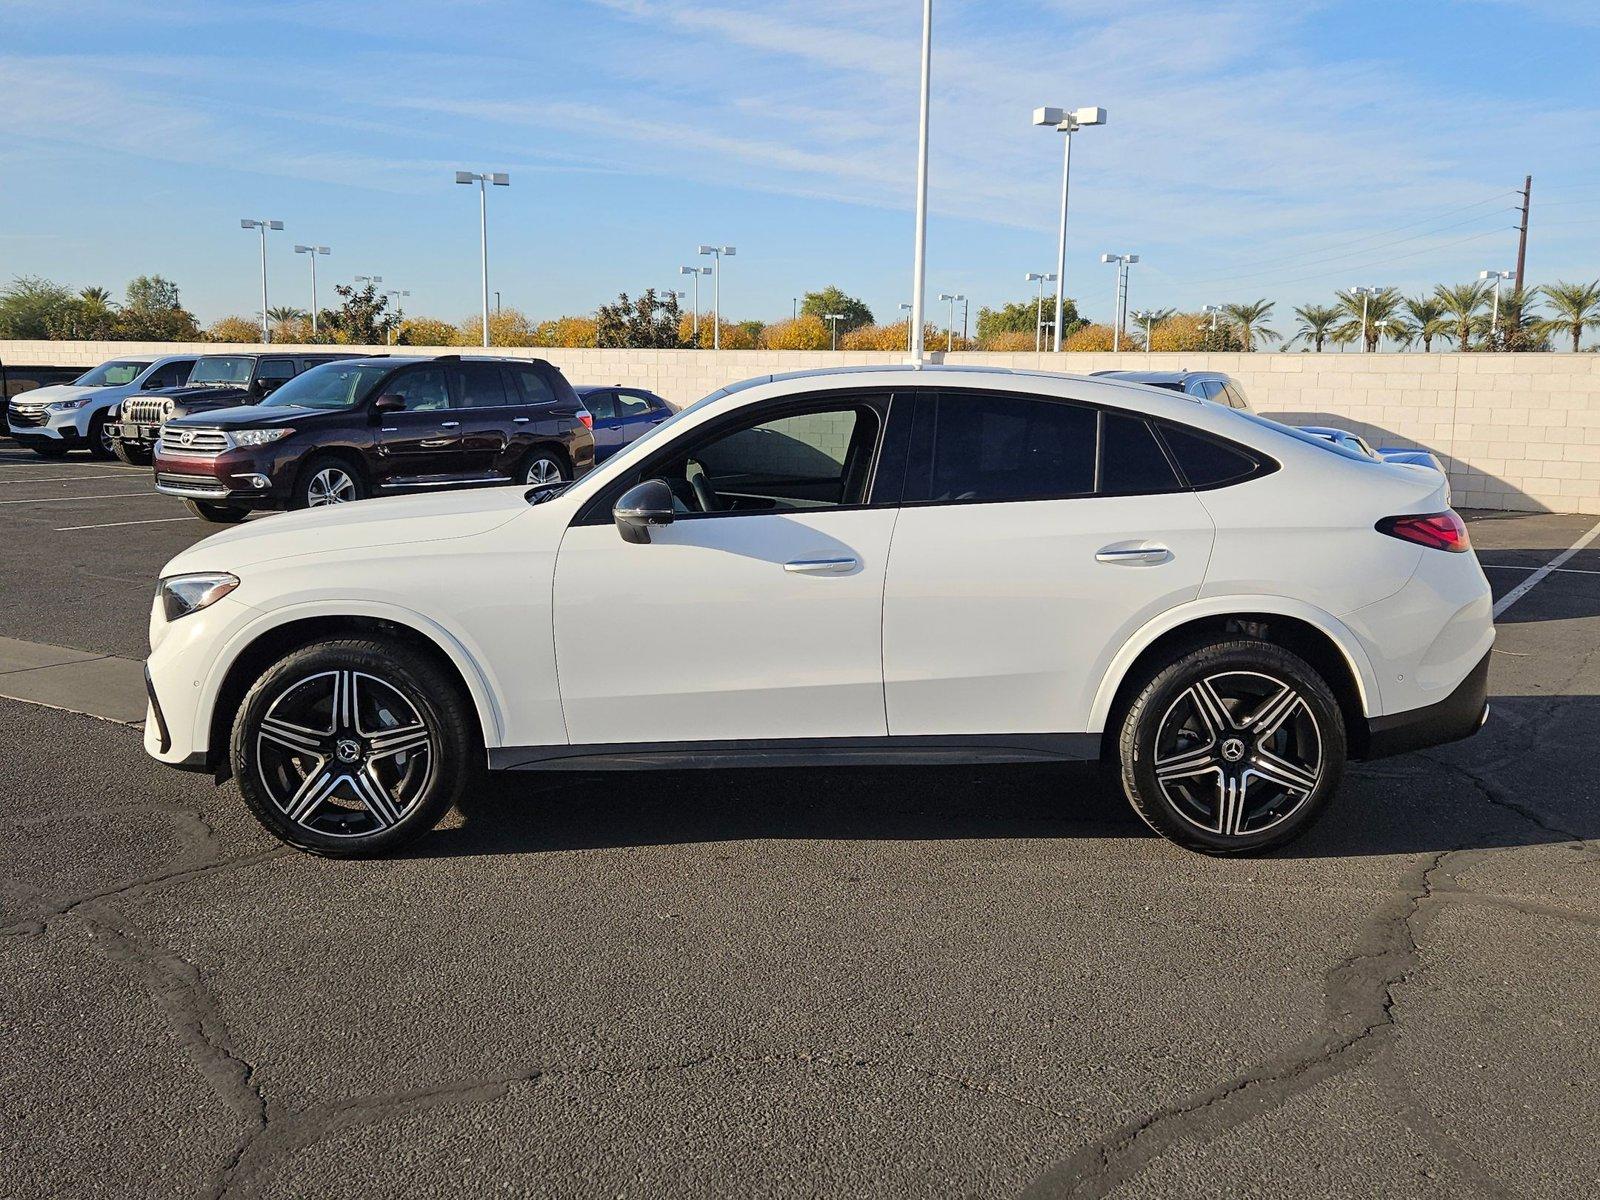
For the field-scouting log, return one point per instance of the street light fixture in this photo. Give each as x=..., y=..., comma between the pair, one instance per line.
x=1123, y=261
x=718, y=253
x=1498, y=277
x=1038, y=312
x=950, y=328
x=398, y=312
x=1366, y=293
x=499, y=179
x=1066, y=123
x=1211, y=310
x=696, y=272
x=1145, y=316
x=833, y=320
x=906, y=308
x=313, y=251
x=263, y=226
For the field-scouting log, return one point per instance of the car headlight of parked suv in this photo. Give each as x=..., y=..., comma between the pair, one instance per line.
x=68, y=405
x=184, y=594
x=258, y=437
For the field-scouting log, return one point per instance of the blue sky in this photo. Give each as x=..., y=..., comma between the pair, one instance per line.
x=1256, y=148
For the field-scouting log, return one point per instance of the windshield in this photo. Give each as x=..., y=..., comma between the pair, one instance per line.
x=222, y=369
x=1310, y=439
x=330, y=386
x=112, y=374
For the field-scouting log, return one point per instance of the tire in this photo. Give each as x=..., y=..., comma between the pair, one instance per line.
x=544, y=468
x=134, y=456
x=51, y=450
x=217, y=514
x=309, y=777
x=326, y=481
x=1250, y=777
x=101, y=444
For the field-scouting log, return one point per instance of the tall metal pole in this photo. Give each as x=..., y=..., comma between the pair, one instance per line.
x=1366, y=346
x=1494, y=317
x=1116, y=311
x=483, y=248
x=1522, y=235
x=716, y=301
x=1061, y=237
x=266, y=331
x=1038, y=317
x=313, y=257
x=919, y=262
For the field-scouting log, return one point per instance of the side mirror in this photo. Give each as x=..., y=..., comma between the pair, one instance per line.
x=388, y=403
x=641, y=506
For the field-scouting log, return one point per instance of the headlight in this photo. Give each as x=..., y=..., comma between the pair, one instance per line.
x=166, y=408
x=258, y=437
x=68, y=405
x=184, y=594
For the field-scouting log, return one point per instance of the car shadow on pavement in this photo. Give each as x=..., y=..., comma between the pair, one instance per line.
x=1477, y=794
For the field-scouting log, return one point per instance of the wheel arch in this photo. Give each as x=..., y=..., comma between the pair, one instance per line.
x=1321, y=639
x=264, y=642
x=348, y=455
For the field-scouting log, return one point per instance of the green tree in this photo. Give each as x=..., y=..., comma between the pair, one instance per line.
x=650, y=321
x=1576, y=307
x=1382, y=317
x=1317, y=323
x=1462, y=303
x=362, y=319
x=1519, y=330
x=1249, y=320
x=152, y=311
x=1430, y=318
x=1019, y=317
x=29, y=304
x=831, y=300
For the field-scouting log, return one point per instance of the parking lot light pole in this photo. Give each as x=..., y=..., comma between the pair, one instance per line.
x=906, y=308
x=696, y=272
x=1494, y=317
x=398, y=312
x=313, y=251
x=950, y=326
x=263, y=226
x=1366, y=293
x=482, y=179
x=1211, y=310
x=919, y=254
x=718, y=253
x=1038, y=312
x=1123, y=261
x=833, y=320
x=1066, y=123
x=1144, y=316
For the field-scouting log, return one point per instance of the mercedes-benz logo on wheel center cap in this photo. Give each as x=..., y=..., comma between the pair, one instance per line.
x=1233, y=749
x=347, y=750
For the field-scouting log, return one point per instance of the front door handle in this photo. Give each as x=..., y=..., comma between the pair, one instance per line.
x=431, y=442
x=1133, y=555
x=449, y=424
x=820, y=566
x=519, y=420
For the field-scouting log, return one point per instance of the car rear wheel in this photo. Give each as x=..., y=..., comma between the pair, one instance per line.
x=134, y=456
x=326, y=481
x=217, y=514
x=543, y=468
x=1233, y=749
x=353, y=748
x=101, y=443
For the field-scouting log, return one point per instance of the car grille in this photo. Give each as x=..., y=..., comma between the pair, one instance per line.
x=194, y=441
x=25, y=418
x=144, y=412
x=193, y=483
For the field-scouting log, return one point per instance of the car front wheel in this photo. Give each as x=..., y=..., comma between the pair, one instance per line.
x=326, y=481
x=353, y=748
x=101, y=443
x=217, y=514
x=134, y=456
x=1234, y=748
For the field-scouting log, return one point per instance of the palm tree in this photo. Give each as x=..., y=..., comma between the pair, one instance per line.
x=278, y=315
x=1431, y=319
x=1249, y=320
x=96, y=297
x=1518, y=329
x=1461, y=304
x=1577, y=307
x=1316, y=324
x=1381, y=313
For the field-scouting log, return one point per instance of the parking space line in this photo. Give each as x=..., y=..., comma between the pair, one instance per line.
x=63, y=499
x=115, y=524
x=58, y=478
x=1544, y=572
x=1557, y=571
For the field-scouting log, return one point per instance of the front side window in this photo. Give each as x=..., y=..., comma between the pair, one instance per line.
x=172, y=375
x=602, y=406
x=482, y=385
x=820, y=458
x=272, y=370
x=112, y=374
x=996, y=447
x=424, y=389
x=222, y=368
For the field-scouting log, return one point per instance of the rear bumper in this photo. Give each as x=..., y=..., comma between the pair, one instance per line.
x=1459, y=715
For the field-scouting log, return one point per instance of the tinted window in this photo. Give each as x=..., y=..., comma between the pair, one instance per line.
x=175, y=374
x=632, y=404
x=424, y=389
x=220, y=368
x=330, y=386
x=536, y=388
x=1131, y=460
x=275, y=368
x=482, y=386
x=1004, y=448
x=1206, y=463
x=602, y=406
x=1236, y=397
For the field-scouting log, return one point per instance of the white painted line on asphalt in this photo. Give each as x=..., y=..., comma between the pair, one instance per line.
x=61, y=499
x=56, y=479
x=1557, y=571
x=1539, y=576
x=115, y=524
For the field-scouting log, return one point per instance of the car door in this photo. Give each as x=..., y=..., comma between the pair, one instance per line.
x=421, y=443
x=638, y=412
x=757, y=613
x=1035, y=536
x=602, y=406
x=489, y=408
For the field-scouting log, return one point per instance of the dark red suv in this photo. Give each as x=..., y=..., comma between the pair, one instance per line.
x=374, y=426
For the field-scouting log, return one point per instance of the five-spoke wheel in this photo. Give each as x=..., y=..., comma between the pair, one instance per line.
x=327, y=480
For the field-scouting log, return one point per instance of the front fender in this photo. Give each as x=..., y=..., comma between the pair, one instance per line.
x=1221, y=606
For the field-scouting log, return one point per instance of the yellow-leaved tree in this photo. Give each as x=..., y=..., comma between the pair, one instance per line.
x=567, y=332
x=234, y=329
x=428, y=331
x=508, y=327
x=802, y=333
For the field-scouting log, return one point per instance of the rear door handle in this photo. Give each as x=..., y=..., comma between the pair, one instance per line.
x=431, y=442
x=820, y=566
x=449, y=424
x=519, y=420
x=1133, y=555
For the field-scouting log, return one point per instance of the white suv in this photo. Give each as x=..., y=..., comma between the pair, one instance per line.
x=884, y=565
x=72, y=416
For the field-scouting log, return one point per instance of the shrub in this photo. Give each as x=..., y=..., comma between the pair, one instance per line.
x=804, y=333
x=428, y=331
x=234, y=329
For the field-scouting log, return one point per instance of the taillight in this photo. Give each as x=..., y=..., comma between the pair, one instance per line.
x=1437, y=531
x=587, y=418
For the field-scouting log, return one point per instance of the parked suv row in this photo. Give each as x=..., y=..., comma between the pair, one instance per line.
x=360, y=427
x=54, y=419
x=216, y=381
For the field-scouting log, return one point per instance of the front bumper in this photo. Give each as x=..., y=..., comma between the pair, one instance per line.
x=248, y=478
x=1459, y=715
x=139, y=434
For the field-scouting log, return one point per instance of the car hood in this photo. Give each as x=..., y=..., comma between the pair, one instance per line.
x=58, y=391
x=345, y=530
x=201, y=391
x=255, y=416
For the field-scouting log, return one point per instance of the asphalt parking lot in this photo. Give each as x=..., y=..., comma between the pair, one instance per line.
x=923, y=981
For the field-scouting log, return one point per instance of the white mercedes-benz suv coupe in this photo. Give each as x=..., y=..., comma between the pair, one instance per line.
x=847, y=566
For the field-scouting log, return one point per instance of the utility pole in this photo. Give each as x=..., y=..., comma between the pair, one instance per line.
x=1522, y=232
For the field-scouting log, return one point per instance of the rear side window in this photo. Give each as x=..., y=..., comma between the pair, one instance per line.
x=1207, y=463
x=535, y=387
x=482, y=385
x=1131, y=459
x=982, y=447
